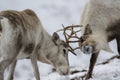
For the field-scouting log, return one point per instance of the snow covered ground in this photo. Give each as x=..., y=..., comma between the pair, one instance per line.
x=54, y=13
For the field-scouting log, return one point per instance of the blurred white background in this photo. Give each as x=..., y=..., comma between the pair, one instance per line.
x=54, y=13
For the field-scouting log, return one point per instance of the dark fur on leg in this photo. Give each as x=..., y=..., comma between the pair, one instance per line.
x=92, y=64
x=118, y=45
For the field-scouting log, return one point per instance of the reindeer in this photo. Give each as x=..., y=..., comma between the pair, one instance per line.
x=22, y=36
x=102, y=18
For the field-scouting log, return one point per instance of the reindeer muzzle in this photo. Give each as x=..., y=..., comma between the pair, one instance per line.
x=87, y=49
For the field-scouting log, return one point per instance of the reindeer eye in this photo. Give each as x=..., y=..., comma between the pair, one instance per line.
x=84, y=37
x=81, y=39
x=64, y=50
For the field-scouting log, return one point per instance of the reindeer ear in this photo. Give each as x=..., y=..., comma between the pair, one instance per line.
x=88, y=30
x=55, y=36
x=107, y=48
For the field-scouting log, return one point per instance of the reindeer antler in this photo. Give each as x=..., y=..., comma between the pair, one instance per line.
x=73, y=34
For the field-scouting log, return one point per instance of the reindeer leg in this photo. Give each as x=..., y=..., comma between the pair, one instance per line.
x=4, y=63
x=92, y=63
x=118, y=44
x=33, y=58
x=12, y=70
x=8, y=53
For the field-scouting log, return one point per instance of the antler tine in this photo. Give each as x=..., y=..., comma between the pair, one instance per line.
x=72, y=34
x=74, y=41
x=64, y=28
x=76, y=37
x=75, y=26
x=76, y=48
x=64, y=33
x=71, y=50
x=59, y=30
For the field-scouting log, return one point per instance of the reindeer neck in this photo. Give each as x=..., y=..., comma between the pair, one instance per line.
x=47, y=44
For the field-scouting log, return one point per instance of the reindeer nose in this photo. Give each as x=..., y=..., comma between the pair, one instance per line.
x=87, y=49
x=67, y=72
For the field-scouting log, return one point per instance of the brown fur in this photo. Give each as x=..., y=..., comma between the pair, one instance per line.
x=113, y=30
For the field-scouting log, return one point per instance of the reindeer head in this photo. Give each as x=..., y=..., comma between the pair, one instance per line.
x=86, y=44
x=61, y=62
x=92, y=42
x=89, y=42
x=64, y=46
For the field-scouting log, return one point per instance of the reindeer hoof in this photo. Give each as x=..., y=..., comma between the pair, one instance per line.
x=88, y=77
x=118, y=57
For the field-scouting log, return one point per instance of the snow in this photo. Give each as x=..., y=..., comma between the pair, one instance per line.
x=54, y=13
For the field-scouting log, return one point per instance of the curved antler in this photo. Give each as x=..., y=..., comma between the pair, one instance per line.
x=71, y=35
